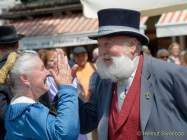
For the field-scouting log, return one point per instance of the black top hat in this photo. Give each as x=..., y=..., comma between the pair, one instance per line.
x=119, y=22
x=8, y=35
x=78, y=50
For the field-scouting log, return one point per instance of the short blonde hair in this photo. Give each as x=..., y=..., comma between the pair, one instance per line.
x=173, y=44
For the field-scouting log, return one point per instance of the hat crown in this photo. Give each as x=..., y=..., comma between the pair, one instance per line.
x=78, y=50
x=8, y=35
x=119, y=17
x=115, y=22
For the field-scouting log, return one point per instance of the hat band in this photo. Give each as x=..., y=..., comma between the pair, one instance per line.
x=116, y=28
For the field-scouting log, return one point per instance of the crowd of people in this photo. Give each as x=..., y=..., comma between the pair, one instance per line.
x=124, y=93
x=174, y=54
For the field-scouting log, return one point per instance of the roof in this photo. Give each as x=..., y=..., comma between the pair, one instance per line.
x=43, y=4
x=42, y=8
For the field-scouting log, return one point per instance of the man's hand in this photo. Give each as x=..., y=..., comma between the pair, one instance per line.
x=74, y=70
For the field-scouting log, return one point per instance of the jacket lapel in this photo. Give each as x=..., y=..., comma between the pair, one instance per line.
x=146, y=99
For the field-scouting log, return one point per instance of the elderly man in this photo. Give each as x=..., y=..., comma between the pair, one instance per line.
x=163, y=54
x=139, y=97
x=8, y=43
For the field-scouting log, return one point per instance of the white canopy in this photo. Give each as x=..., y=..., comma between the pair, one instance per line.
x=147, y=7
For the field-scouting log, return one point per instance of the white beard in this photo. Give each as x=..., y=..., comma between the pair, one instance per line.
x=121, y=68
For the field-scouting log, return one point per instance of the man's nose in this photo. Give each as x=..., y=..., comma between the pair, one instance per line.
x=105, y=52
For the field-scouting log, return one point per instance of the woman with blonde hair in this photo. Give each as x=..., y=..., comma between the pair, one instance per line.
x=174, y=50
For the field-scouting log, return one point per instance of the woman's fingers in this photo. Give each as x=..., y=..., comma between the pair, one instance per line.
x=60, y=59
x=63, y=76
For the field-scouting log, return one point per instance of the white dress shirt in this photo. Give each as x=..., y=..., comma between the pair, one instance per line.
x=124, y=85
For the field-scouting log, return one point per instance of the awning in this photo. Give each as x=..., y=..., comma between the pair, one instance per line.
x=56, y=25
x=62, y=31
x=172, y=24
x=146, y=7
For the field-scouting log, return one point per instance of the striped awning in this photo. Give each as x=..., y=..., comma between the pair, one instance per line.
x=172, y=24
x=60, y=25
x=55, y=25
x=69, y=30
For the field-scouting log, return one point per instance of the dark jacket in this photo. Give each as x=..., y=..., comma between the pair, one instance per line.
x=5, y=97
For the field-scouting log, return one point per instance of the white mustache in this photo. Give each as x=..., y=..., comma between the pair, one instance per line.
x=107, y=57
x=122, y=67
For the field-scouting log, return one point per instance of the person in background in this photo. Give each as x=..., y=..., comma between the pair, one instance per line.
x=174, y=50
x=51, y=63
x=95, y=55
x=138, y=97
x=8, y=44
x=94, y=79
x=83, y=70
x=163, y=54
x=47, y=99
x=49, y=58
x=71, y=60
x=26, y=118
x=183, y=58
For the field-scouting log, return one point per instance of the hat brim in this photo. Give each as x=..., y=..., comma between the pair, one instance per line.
x=11, y=41
x=141, y=37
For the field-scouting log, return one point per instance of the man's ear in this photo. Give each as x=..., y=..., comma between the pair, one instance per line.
x=134, y=43
x=25, y=80
x=132, y=50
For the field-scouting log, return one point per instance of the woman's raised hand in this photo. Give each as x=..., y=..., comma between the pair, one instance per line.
x=63, y=74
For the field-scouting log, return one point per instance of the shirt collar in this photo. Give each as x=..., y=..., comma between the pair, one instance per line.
x=128, y=82
x=22, y=99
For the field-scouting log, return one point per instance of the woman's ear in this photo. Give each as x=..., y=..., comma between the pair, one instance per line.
x=25, y=80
